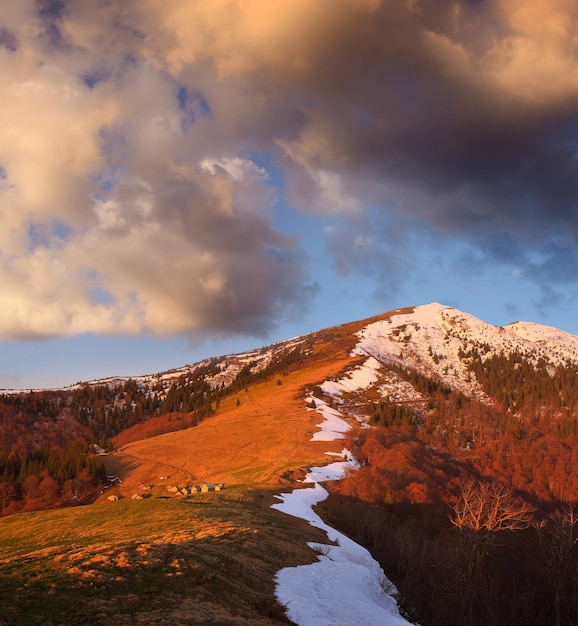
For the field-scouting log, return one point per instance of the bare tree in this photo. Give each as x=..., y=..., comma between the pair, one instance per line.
x=482, y=509
x=491, y=506
x=559, y=540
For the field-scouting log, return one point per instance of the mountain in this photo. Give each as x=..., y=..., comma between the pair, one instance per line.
x=436, y=341
x=439, y=341
x=441, y=407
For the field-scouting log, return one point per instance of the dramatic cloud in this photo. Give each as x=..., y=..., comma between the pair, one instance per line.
x=133, y=195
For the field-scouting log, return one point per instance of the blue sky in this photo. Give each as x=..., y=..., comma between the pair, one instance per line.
x=182, y=180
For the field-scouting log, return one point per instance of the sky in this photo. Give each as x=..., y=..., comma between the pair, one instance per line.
x=187, y=179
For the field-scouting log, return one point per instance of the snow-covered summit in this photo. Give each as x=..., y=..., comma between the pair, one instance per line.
x=552, y=339
x=436, y=340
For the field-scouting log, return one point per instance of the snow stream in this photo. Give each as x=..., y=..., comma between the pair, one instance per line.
x=346, y=585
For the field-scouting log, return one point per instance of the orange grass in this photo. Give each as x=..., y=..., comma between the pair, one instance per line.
x=263, y=441
x=255, y=443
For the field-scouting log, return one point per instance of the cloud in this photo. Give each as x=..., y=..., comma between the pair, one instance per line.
x=185, y=251
x=132, y=197
x=124, y=209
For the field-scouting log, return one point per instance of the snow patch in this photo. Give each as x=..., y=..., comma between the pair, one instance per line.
x=333, y=427
x=358, y=378
x=333, y=471
x=346, y=586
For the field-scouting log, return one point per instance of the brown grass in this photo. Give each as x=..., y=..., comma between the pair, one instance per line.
x=257, y=443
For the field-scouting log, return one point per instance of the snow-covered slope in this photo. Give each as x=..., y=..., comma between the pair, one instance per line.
x=554, y=340
x=435, y=340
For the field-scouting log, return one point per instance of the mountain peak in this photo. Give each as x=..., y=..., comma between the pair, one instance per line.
x=435, y=339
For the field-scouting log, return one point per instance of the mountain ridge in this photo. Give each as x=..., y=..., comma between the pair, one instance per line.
x=543, y=338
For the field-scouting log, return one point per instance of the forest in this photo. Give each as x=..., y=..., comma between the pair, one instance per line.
x=44, y=479
x=471, y=506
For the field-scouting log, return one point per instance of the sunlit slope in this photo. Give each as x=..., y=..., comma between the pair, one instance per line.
x=259, y=436
x=210, y=559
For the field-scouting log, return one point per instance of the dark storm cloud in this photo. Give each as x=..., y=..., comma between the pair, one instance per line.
x=462, y=115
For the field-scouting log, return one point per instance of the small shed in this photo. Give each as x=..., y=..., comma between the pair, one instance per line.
x=207, y=487
x=112, y=498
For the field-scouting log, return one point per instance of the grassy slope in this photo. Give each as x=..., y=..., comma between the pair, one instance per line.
x=254, y=443
x=207, y=558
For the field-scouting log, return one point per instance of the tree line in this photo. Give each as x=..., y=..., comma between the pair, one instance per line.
x=46, y=478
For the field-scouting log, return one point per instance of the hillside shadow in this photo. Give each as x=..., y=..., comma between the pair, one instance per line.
x=450, y=576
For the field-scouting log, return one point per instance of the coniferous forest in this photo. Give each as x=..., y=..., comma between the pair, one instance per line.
x=472, y=506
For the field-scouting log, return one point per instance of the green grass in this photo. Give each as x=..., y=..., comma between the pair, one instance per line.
x=208, y=559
